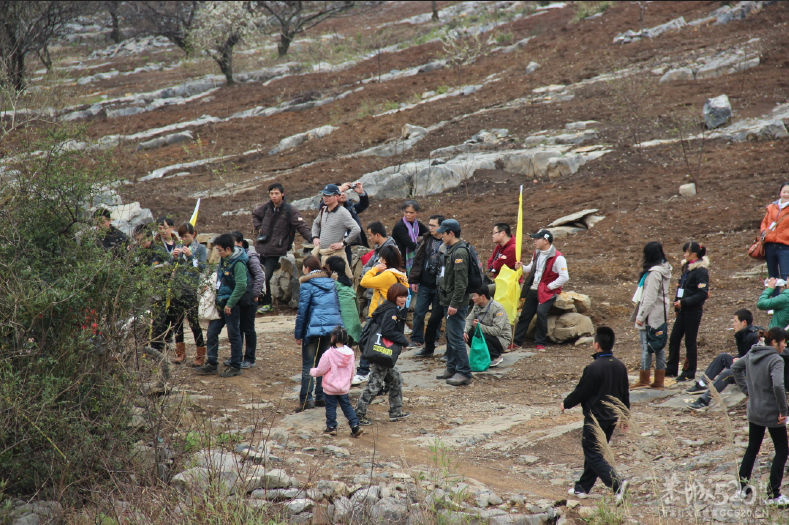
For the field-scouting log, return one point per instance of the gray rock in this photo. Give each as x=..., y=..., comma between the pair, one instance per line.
x=564, y=166
x=124, y=112
x=336, y=451
x=367, y=494
x=217, y=461
x=435, y=179
x=687, y=190
x=388, y=510
x=344, y=509
x=276, y=494
x=260, y=478
x=674, y=75
x=494, y=499
x=299, y=505
x=432, y=66
x=717, y=112
x=532, y=67
x=569, y=326
x=36, y=513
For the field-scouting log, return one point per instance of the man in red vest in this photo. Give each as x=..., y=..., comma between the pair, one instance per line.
x=547, y=272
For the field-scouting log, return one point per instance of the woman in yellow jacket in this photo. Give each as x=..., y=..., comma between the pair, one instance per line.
x=387, y=272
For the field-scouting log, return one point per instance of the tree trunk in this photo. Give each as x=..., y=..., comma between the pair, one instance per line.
x=115, y=34
x=284, y=43
x=435, y=11
x=17, y=73
x=43, y=56
x=225, y=58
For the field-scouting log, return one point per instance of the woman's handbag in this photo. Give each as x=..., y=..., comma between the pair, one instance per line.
x=378, y=349
x=757, y=250
x=658, y=337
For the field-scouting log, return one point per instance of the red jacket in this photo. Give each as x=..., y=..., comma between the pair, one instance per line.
x=503, y=256
x=780, y=234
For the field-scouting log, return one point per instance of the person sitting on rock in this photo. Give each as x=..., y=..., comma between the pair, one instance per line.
x=493, y=322
x=746, y=335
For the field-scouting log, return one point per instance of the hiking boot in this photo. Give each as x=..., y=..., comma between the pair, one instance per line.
x=247, y=364
x=459, y=380
x=309, y=405
x=180, y=353
x=359, y=379
x=230, y=371
x=356, y=432
x=364, y=420
x=399, y=416
x=414, y=346
x=424, y=352
x=496, y=362
x=686, y=376
x=660, y=378
x=622, y=492
x=265, y=308
x=208, y=368
x=697, y=388
x=320, y=403
x=578, y=493
x=199, y=357
x=446, y=375
x=699, y=404
x=643, y=380
x=331, y=431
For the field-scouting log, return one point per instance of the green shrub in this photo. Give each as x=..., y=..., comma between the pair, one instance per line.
x=587, y=9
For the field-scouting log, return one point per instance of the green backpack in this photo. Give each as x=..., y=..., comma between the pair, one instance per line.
x=479, y=356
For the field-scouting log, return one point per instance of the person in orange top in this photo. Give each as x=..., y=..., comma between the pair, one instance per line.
x=775, y=233
x=387, y=272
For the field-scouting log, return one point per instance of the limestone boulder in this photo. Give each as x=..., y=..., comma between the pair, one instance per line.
x=674, y=75
x=717, y=112
x=569, y=326
x=435, y=179
x=573, y=302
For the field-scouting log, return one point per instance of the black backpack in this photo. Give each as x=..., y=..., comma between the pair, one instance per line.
x=475, y=270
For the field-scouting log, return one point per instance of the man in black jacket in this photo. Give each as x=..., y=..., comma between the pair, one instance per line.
x=113, y=237
x=276, y=223
x=602, y=380
x=746, y=335
x=424, y=283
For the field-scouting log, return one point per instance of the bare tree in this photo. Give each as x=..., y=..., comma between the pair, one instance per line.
x=434, y=6
x=113, y=8
x=294, y=17
x=27, y=28
x=170, y=19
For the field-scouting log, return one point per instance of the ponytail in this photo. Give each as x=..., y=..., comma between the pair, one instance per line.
x=694, y=247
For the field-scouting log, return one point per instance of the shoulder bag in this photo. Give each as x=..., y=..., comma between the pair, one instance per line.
x=657, y=337
x=378, y=349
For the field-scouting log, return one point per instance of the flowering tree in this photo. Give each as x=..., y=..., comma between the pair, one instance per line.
x=294, y=17
x=219, y=26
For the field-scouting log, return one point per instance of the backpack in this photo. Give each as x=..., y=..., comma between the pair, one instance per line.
x=475, y=270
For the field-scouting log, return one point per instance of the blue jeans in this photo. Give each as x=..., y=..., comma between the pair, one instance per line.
x=457, y=355
x=425, y=298
x=233, y=323
x=248, y=334
x=345, y=404
x=777, y=256
x=311, y=351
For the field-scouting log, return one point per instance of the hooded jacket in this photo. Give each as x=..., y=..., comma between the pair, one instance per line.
x=746, y=339
x=760, y=376
x=319, y=306
x=231, y=277
x=380, y=281
x=391, y=319
x=655, y=297
x=779, y=304
x=695, y=281
x=605, y=376
x=257, y=273
x=336, y=368
x=780, y=232
x=349, y=310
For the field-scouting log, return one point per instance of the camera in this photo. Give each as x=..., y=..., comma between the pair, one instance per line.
x=262, y=239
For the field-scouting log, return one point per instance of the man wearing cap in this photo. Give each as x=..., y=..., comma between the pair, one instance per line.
x=493, y=323
x=547, y=272
x=355, y=209
x=330, y=226
x=452, y=285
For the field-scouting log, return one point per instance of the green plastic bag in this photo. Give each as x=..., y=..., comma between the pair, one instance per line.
x=479, y=356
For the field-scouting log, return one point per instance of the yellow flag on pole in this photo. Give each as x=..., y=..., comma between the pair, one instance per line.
x=508, y=290
x=193, y=220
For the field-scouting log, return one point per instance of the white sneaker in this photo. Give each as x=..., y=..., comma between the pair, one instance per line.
x=577, y=493
x=496, y=362
x=358, y=380
x=780, y=501
x=407, y=331
x=743, y=493
x=620, y=494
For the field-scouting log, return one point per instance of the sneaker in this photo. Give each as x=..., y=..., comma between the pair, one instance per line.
x=780, y=501
x=358, y=379
x=578, y=493
x=696, y=389
x=331, y=431
x=247, y=364
x=407, y=331
x=744, y=493
x=207, y=368
x=230, y=372
x=309, y=405
x=227, y=362
x=444, y=357
x=622, y=492
x=356, y=432
x=265, y=308
x=497, y=361
x=364, y=420
x=459, y=380
x=513, y=347
x=446, y=375
x=424, y=352
x=686, y=376
x=414, y=346
x=699, y=404
x=320, y=403
x=398, y=417
x=540, y=348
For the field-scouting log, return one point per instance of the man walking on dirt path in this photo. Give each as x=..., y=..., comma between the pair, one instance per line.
x=504, y=251
x=603, y=381
x=330, y=226
x=453, y=282
x=423, y=280
x=547, y=272
x=276, y=222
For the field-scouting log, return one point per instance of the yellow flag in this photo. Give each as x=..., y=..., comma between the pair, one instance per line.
x=508, y=291
x=519, y=230
x=193, y=220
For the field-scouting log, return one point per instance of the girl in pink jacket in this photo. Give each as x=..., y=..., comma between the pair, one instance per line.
x=336, y=368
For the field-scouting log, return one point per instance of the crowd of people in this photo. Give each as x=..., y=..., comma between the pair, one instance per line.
x=436, y=269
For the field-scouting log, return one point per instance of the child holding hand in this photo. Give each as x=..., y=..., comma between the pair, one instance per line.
x=336, y=368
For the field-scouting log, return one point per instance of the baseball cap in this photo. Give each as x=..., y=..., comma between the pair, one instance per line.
x=331, y=189
x=542, y=234
x=449, y=225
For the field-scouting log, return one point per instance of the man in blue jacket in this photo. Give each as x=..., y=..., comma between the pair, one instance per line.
x=231, y=286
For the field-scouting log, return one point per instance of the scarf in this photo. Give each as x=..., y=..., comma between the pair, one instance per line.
x=413, y=233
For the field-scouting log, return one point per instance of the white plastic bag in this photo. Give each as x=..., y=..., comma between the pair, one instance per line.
x=207, y=309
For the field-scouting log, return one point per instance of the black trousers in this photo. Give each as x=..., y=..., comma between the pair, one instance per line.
x=188, y=306
x=532, y=306
x=595, y=465
x=494, y=345
x=269, y=264
x=755, y=438
x=687, y=326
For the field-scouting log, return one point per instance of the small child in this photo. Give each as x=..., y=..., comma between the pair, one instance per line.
x=336, y=368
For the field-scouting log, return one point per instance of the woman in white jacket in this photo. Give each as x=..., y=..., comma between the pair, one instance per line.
x=650, y=315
